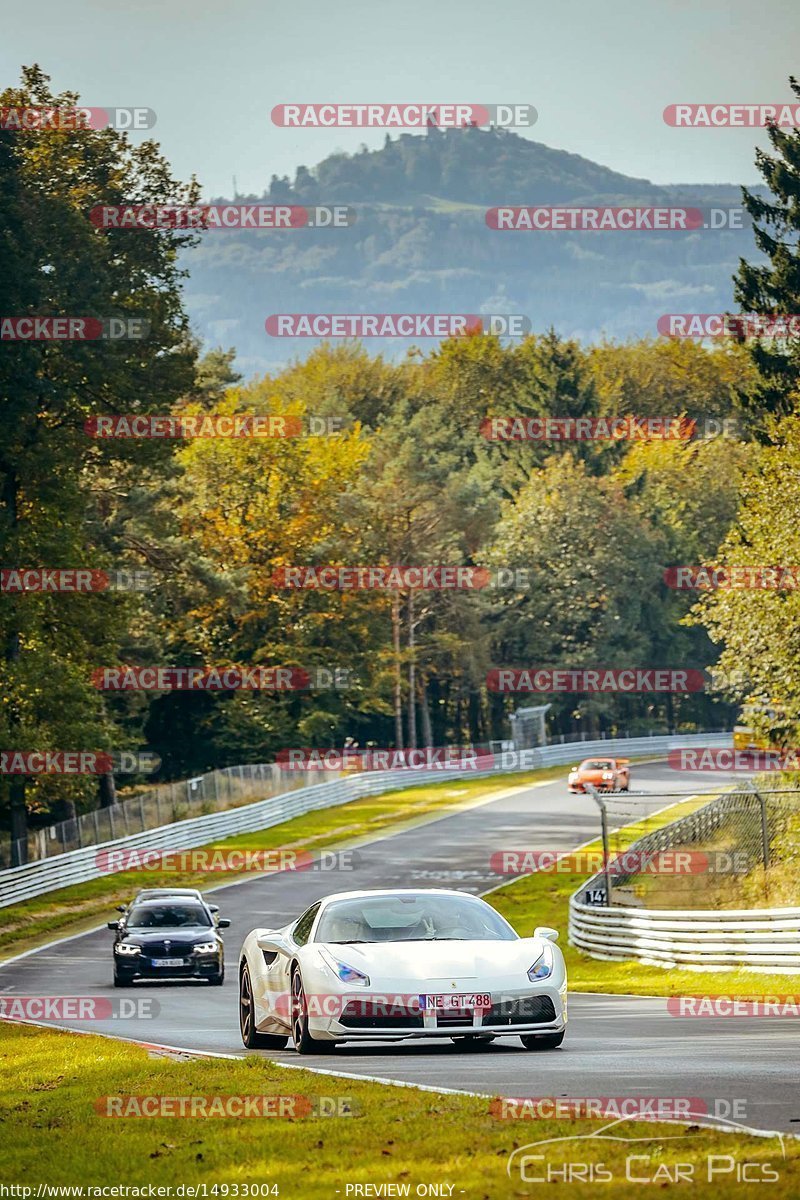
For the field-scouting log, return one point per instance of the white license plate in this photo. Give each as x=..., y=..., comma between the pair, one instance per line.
x=460, y=1000
x=168, y=962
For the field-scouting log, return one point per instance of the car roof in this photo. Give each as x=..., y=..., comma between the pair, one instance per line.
x=168, y=891
x=153, y=900
x=356, y=895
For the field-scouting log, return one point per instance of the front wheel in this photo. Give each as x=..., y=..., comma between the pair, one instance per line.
x=217, y=980
x=304, y=1043
x=251, y=1038
x=542, y=1041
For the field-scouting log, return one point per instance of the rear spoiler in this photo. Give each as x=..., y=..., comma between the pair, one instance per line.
x=622, y=762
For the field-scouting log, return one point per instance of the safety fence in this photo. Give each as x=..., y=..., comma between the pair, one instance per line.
x=745, y=829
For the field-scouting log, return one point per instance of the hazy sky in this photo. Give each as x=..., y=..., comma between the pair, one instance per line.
x=600, y=74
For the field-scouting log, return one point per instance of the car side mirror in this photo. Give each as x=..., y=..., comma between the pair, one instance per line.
x=273, y=942
x=113, y=924
x=223, y=923
x=544, y=931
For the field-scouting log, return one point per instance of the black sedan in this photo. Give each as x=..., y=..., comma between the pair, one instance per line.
x=168, y=939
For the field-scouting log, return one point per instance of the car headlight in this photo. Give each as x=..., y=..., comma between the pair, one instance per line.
x=543, y=967
x=206, y=947
x=127, y=948
x=344, y=971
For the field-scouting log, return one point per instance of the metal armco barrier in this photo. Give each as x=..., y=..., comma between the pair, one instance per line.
x=760, y=939
x=763, y=938
x=78, y=866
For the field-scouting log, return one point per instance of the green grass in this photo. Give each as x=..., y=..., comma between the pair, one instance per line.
x=53, y=1134
x=543, y=899
x=79, y=907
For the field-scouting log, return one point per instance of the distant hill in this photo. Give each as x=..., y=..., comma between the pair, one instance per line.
x=420, y=244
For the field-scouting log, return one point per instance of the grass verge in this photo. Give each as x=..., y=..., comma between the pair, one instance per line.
x=52, y=1133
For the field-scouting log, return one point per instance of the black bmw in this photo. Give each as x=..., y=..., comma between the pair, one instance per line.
x=168, y=939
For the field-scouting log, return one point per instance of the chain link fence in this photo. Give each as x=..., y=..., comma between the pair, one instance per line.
x=733, y=850
x=213, y=792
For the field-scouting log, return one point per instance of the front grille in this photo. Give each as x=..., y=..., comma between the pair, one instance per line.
x=176, y=949
x=528, y=1011
x=361, y=1014
x=454, y=1017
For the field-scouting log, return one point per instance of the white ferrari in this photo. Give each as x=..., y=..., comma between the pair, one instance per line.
x=389, y=965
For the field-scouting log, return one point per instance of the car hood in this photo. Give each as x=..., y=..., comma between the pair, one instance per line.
x=186, y=933
x=427, y=960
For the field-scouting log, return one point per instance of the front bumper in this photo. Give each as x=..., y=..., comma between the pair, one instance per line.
x=608, y=785
x=141, y=967
x=395, y=1016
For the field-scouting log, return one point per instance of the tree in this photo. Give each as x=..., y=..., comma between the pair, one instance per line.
x=773, y=287
x=759, y=627
x=53, y=261
x=592, y=565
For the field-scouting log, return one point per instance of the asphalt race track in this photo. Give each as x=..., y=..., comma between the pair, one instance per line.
x=615, y=1046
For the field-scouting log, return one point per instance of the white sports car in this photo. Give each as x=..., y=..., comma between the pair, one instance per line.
x=389, y=965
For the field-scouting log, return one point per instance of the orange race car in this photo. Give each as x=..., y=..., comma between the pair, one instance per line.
x=605, y=774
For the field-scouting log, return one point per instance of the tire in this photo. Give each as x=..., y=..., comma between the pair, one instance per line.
x=304, y=1043
x=217, y=980
x=542, y=1041
x=251, y=1038
x=122, y=980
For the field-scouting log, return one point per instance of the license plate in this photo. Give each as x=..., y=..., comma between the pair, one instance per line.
x=168, y=962
x=459, y=1000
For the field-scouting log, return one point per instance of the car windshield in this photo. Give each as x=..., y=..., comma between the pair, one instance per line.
x=167, y=916
x=597, y=764
x=166, y=895
x=422, y=916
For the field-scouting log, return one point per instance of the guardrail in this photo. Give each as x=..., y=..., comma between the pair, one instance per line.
x=763, y=939
x=78, y=866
